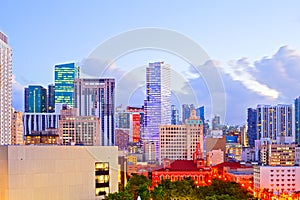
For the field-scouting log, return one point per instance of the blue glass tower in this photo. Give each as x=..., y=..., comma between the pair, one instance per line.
x=35, y=99
x=64, y=75
x=252, y=127
x=174, y=115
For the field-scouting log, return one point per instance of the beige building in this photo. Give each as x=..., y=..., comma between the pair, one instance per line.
x=215, y=157
x=179, y=142
x=57, y=172
x=74, y=129
x=16, y=128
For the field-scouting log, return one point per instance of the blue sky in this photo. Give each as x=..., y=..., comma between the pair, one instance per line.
x=238, y=35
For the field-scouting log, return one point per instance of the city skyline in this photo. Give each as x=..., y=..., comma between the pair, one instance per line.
x=245, y=43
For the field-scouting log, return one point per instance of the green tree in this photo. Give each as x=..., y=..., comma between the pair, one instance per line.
x=138, y=185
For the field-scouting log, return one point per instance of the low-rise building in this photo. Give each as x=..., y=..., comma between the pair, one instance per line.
x=57, y=172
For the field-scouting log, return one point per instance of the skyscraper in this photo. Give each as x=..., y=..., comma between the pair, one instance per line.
x=64, y=83
x=275, y=122
x=96, y=97
x=158, y=99
x=297, y=120
x=174, y=115
x=252, y=127
x=5, y=90
x=51, y=99
x=35, y=99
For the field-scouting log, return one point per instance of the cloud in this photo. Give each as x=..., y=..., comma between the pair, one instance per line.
x=17, y=94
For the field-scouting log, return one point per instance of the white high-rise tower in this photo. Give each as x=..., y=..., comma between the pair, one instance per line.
x=5, y=90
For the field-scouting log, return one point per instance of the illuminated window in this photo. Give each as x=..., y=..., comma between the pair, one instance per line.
x=101, y=178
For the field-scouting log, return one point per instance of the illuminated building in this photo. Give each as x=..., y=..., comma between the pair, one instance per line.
x=51, y=99
x=57, y=172
x=252, y=126
x=5, y=90
x=64, y=75
x=96, y=97
x=80, y=130
x=35, y=99
x=47, y=137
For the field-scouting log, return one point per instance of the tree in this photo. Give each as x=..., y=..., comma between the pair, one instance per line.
x=138, y=185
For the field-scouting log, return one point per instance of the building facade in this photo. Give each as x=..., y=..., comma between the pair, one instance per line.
x=16, y=128
x=174, y=115
x=58, y=172
x=252, y=126
x=51, y=99
x=96, y=97
x=5, y=90
x=35, y=99
x=297, y=120
x=64, y=75
x=179, y=142
x=80, y=130
x=275, y=122
x=33, y=122
x=157, y=106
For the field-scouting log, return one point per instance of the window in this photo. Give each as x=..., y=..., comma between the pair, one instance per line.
x=101, y=178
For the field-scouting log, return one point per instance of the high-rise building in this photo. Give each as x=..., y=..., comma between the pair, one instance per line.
x=96, y=97
x=51, y=99
x=174, y=115
x=179, y=142
x=275, y=123
x=64, y=75
x=297, y=120
x=158, y=99
x=216, y=122
x=35, y=99
x=252, y=126
x=36, y=122
x=5, y=90
x=16, y=128
x=186, y=111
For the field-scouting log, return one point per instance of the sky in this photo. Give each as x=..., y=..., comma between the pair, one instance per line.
x=254, y=45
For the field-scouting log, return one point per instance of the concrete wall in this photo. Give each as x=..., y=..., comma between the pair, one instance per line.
x=56, y=172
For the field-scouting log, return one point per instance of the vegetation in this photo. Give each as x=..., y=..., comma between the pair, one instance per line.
x=181, y=190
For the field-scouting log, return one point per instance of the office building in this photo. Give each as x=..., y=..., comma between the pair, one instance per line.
x=35, y=99
x=275, y=123
x=34, y=122
x=48, y=137
x=174, y=115
x=78, y=130
x=64, y=75
x=252, y=126
x=96, y=97
x=16, y=128
x=297, y=155
x=5, y=90
x=158, y=101
x=57, y=172
x=216, y=123
x=179, y=142
x=51, y=99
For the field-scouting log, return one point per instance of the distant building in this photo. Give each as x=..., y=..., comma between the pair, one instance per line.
x=51, y=99
x=5, y=90
x=96, y=97
x=122, y=138
x=216, y=123
x=252, y=126
x=80, y=130
x=47, y=137
x=297, y=120
x=215, y=157
x=58, y=172
x=64, y=75
x=157, y=104
x=179, y=142
x=174, y=115
x=16, y=128
x=297, y=156
x=216, y=143
x=149, y=151
x=35, y=99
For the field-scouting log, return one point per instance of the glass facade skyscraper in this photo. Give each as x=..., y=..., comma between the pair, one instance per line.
x=174, y=115
x=158, y=101
x=35, y=99
x=252, y=127
x=64, y=75
x=51, y=99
